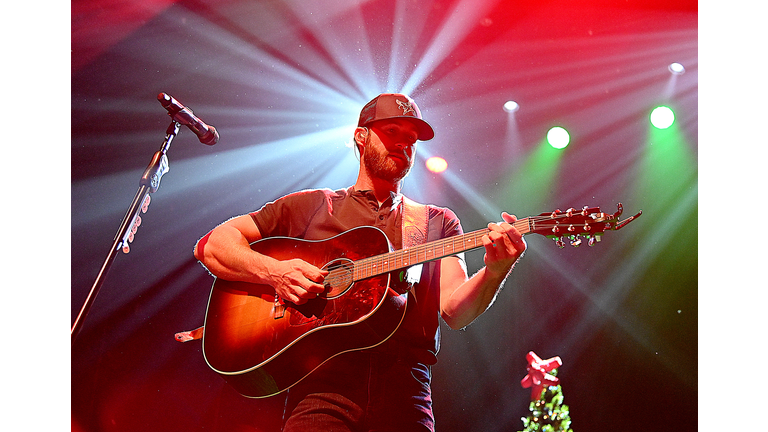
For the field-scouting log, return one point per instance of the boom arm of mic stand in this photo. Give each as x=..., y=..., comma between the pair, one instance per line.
x=149, y=183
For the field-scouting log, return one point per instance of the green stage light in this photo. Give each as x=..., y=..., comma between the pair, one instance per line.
x=662, y=117
x=558, y=137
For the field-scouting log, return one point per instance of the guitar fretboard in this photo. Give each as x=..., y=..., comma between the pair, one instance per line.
x=389, y=262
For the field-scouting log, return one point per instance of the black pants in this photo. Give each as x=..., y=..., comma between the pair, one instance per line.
x=362, y=391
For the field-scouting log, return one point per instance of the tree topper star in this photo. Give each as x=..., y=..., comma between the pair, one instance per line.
x=537, y=377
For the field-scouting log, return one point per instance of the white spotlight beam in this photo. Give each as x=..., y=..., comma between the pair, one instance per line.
x=404, y=39
x=319, y=17
x=464, y=17
x=247, y=57
x=306, y=153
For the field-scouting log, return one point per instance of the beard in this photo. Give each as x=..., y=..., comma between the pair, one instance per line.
x=383, y=167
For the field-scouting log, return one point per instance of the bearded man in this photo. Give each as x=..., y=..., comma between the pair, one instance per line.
x=386, y=387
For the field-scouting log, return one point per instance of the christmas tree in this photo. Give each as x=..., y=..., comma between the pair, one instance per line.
x=548, y=413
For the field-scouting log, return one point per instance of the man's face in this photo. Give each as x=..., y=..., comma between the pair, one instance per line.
x=390, y=149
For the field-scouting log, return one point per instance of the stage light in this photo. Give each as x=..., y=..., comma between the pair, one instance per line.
x=662, y=117
x=676, y=68
x=558, y=137
x=511, y=106
x=436, y=164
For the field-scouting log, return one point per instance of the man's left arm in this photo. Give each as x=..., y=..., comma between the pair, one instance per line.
x=464, y=299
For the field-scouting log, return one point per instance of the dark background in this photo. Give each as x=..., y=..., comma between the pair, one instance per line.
x=283, y=82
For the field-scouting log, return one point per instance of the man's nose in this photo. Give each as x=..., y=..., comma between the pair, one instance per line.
x=405, y=143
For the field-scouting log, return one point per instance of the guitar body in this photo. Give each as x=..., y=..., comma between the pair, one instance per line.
x=262, y=346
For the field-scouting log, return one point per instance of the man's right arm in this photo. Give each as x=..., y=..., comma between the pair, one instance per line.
x=227, y=254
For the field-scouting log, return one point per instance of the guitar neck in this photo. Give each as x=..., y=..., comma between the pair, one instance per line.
x=389, y=262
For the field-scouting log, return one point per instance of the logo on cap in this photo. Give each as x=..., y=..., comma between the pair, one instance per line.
x=406, y=107
x=382, y=107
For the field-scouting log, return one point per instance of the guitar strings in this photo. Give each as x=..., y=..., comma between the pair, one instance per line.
x=385, y=263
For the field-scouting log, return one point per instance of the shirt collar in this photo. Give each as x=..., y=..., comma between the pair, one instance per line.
x=395, y=197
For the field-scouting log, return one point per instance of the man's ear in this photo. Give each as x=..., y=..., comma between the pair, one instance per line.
x=361, y=136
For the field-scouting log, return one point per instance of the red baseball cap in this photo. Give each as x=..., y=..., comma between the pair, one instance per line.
x=395, y=105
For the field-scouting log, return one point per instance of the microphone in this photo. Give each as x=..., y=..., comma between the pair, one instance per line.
x=183, y=115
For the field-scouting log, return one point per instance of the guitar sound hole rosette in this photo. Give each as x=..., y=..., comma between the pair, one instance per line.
x=339, y=278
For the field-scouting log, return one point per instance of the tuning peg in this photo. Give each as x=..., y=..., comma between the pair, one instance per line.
x=559, y=242
x=593, y=239
x=575, y=241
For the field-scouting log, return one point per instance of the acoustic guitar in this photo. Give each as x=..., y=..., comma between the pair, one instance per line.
x=262, y=345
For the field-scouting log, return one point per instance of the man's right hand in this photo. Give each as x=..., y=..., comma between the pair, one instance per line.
x=297, y=281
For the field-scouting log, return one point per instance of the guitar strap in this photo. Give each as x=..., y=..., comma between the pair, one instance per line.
x=415, y=228
x=187, y=336
x=415, y=222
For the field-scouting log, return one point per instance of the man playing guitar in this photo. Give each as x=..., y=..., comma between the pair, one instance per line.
x=384, y=385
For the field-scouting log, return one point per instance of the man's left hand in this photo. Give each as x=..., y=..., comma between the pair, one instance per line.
x=503, y=245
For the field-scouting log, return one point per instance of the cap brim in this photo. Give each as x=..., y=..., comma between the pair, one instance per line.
x=426, y=132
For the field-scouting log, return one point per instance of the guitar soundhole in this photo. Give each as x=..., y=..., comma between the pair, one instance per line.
x=339, y=278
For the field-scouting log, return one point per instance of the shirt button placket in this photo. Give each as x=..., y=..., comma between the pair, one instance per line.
x=382, y=216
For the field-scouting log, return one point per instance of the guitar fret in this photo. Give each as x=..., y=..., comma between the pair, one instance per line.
x=377, y=265
x=373, y=266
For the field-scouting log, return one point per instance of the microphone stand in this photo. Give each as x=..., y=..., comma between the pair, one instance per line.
x=148, y=184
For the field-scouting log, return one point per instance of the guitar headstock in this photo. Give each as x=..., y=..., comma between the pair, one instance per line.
x=589, y=222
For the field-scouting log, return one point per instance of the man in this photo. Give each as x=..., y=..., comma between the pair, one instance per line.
x=386, y=387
